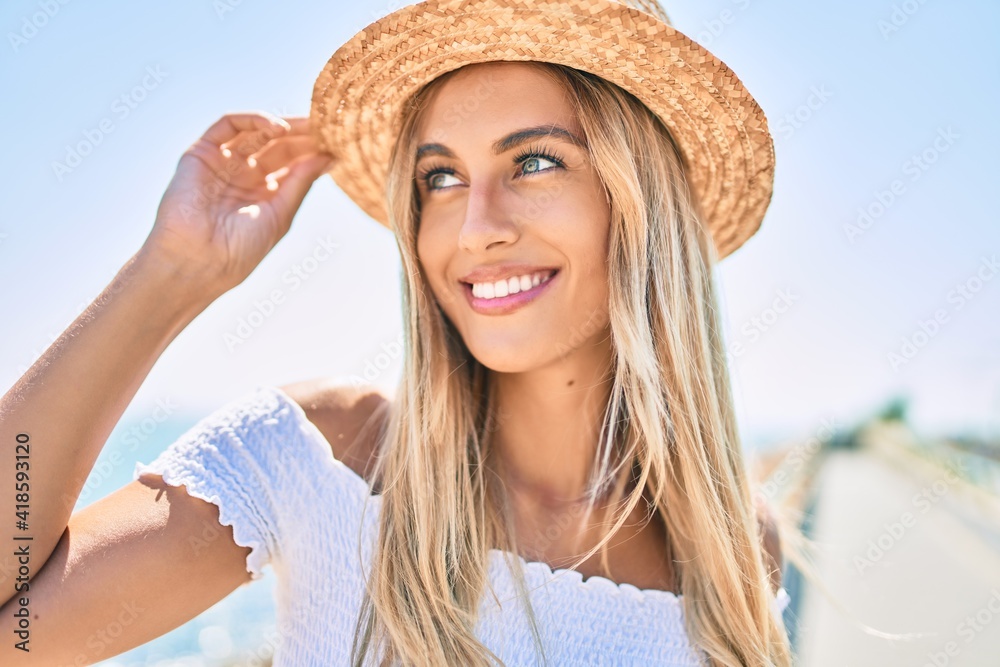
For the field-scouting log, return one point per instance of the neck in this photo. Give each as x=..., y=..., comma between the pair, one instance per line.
x=548, y=427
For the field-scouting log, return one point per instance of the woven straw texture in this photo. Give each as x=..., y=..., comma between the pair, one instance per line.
x=719, y=127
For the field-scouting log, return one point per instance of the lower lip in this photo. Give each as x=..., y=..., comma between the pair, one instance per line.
x=505, y=304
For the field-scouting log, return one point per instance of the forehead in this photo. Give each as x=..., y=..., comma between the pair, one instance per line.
x=484, y=100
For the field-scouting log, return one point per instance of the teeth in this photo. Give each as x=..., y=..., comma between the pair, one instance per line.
x=512, y=285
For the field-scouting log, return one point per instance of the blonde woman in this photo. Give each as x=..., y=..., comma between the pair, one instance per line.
x=558, y=479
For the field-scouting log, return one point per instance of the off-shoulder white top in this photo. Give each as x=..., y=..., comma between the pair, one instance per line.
x=275, y=480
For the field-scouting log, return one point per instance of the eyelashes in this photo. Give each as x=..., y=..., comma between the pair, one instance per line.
x=425, y=174
x=537, y=151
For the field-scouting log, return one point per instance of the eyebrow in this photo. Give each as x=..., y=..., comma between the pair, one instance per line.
x=511, y=141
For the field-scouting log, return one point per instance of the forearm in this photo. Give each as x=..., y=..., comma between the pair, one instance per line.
x=57, y=417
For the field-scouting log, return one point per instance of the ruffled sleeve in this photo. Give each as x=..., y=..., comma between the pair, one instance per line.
x=236, y=458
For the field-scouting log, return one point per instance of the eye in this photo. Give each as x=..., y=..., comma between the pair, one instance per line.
x=528, y=159
x=532, y=155
x=534, y=160
x=430, y=177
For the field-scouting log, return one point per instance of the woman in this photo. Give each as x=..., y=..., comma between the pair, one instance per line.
x=558, y=479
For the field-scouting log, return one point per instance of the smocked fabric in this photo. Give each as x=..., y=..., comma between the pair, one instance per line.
x=274, y=478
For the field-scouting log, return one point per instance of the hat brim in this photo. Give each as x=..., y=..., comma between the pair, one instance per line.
x=720, y=129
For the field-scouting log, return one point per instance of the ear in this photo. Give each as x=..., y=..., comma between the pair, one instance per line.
x=771, y=542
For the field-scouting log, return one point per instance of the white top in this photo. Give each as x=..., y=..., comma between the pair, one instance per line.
x=275, y=480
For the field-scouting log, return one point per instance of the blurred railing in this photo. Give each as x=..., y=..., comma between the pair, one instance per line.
x=977, y=464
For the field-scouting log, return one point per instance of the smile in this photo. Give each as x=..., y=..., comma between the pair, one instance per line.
x=502, y=305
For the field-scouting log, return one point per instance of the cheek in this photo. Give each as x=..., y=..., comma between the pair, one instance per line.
x=425, y=256
x=585, y=237
x=434, y=238
x=428, y=249
x=583, y=234
x=432, y=254
x=579, y=204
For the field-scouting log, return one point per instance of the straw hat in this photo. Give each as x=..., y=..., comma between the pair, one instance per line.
x=720, y=129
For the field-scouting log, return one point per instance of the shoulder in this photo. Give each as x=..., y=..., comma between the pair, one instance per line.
x=352, y=419
x=771, y=541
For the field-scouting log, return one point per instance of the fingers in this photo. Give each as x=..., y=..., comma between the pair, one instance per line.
x=301, y=125
x=295, y=181
x=246, y=144
x=280, y=152
x=250, y=151
x=298, y=124
x=258, y=144
x=230, y=125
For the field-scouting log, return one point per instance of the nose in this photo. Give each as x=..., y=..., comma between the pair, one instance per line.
x=488, y=219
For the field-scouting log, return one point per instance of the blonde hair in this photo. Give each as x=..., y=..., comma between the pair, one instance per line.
x=669, y=430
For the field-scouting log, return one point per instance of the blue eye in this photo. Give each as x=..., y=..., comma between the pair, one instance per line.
x=534, y=159
x=528, y=157
x=428, y=175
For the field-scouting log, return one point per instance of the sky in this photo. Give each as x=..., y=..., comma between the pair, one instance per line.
x=874, y=273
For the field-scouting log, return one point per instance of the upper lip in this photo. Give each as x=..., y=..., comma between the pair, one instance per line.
x=489, y=274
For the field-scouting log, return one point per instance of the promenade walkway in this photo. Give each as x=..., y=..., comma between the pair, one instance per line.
x=908, y=547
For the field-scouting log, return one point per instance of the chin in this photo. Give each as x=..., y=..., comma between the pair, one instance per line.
x=513, y=360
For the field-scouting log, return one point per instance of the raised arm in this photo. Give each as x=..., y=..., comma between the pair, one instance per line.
x=216, y=222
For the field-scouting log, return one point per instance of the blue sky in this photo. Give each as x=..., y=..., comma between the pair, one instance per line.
x=876, y=106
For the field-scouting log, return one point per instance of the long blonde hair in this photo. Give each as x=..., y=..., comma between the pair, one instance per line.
x=669, y=430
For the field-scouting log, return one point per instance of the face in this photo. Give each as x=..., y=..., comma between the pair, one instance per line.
x=493, y=201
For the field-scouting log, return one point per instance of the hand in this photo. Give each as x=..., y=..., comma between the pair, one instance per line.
x=234, y=194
